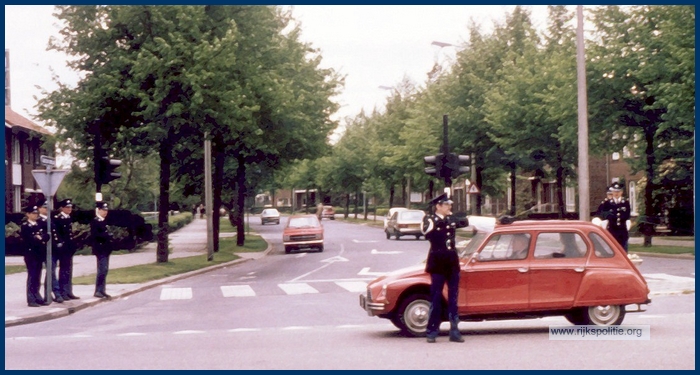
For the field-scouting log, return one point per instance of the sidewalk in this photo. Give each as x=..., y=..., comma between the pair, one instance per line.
x=188, y=241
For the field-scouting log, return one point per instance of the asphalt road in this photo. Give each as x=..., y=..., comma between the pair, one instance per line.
x=301, y=311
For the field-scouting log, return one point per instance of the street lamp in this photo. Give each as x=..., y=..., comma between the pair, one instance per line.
x=437, y=67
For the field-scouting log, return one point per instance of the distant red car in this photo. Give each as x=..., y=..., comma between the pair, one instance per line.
x=570, y=268
x=328, y=212
x=302, y=232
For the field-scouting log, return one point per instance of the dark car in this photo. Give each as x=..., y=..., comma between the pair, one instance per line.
x=525, y=269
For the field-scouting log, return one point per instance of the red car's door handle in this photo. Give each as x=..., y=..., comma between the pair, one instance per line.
x=523, y=269
x=580, y=269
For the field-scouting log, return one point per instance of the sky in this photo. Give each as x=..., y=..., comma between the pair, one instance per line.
x=371, y=45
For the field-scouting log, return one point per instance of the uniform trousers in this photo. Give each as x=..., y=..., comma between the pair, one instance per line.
x=622, y=237
x=34, y=265
x=102, y=269
x=437, y=283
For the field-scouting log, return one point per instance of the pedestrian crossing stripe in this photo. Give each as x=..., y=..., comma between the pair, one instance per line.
x=298, y=288
x=175, y=293
x=237, y=291
x=228, y=291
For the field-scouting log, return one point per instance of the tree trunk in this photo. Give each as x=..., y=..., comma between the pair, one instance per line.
x=165, y=153
x=391, y=196
x=479, y=182
x=356, y=199
x=560, y=194
x=649, y=188
x=347, y=204
x=240, y=202
x=513, y=171
x=217, y=186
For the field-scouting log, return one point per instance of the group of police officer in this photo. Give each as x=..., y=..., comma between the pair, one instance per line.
x=35, y=235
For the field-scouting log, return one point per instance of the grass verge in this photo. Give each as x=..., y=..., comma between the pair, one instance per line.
x=660, y=249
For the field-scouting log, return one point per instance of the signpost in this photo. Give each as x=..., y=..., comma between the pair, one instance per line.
x=49, y=180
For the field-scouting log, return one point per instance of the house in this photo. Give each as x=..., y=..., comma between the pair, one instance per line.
x=23, y=149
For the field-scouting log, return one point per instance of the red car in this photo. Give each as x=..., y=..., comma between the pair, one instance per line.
x=526, y=269
x=303, y=232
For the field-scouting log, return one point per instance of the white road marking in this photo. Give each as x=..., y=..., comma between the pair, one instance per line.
x=175, y=293
x=301, y=255
x=237, y=291
x=335, y=259
x=294, y=328
x=188, y=332
x=360, y=241
x=375, y=252
x=297, y=288
x=244, y=330
x=365, y=272
x=352, y=286
x=132, y=334
x=328, y=262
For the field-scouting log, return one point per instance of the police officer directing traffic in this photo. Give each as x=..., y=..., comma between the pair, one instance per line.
x=35, y=238
x=101, y=248
x=618, y=215
x=443, y=267
x=62, y=251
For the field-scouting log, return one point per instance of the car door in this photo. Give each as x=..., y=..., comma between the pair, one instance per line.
x=556, y=270
x=492, y=281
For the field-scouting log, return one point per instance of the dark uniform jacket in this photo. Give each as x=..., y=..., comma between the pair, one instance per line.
x=62, y=234
x=617, y=214
x=35, y=238
x=440, y=232
x=101, y=239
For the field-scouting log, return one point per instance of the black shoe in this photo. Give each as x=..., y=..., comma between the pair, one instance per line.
x=71, y=296
x=430, y=339
x=100, y=295
x=457, y=339
x=33, y=304
x=107, y=295
x=43, y=302
x=58, y=299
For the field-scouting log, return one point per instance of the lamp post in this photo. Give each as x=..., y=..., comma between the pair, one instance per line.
x=437, y=67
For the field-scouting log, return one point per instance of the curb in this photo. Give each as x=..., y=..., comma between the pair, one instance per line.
x=658, y=255
x=65, y=311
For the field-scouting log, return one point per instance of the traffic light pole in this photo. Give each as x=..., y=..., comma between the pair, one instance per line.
x=446, y=151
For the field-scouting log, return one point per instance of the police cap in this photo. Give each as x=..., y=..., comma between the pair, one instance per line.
x=65, y=203
x=616, y=187
x=102, y=205
x=31, y=209
x=440, y=200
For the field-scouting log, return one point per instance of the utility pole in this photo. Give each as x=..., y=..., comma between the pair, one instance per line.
x=583, y=172
x=208, y=196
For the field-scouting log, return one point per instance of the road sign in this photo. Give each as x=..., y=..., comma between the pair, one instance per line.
x=48, y=161
x=473, y=189
x=49, y=181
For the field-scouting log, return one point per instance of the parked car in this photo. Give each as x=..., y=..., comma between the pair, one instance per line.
x=570, y=268
x=303, y=232
x=405, y=223
x=328, y=213
x=269, y=215
x=390, y=213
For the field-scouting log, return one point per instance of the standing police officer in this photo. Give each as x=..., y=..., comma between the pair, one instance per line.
x=618, y=215
x=443, y=267
x=44, y=222
x=101, y=248
x=35, y=238
x=63, y=251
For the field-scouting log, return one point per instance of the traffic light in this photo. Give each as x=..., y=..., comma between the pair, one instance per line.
x=105, y=168
x=455, y=165
x=435, y=165
x=108, y=169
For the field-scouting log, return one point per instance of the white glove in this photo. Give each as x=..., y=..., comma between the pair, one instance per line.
x=596, y=221
x=629, y=224
x=604, y=224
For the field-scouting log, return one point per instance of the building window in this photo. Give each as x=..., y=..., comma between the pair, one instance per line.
x=16, y=151
x=26, y=153
x=615, y=156
x=570, y=199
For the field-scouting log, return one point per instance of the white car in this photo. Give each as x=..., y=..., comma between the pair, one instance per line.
x=270, y=215
x=390, y=213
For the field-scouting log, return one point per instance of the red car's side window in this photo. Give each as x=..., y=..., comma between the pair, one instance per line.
x=560, y=245
x=506, y=246
x=602, y=249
